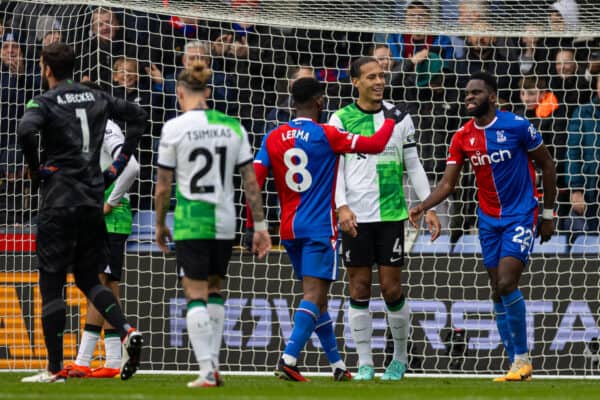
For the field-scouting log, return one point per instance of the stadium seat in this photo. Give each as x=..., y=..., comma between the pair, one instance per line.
x=424, y=245
x=144, y=221
x=141, y=239
x=467, y=244
x=586, y=245
x=556, y=245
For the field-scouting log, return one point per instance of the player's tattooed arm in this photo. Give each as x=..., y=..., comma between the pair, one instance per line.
x=252, y=191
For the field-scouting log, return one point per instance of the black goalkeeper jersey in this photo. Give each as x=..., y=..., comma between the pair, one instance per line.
x=71, y=119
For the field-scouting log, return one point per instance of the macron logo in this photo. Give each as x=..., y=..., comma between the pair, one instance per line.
x=496, y=157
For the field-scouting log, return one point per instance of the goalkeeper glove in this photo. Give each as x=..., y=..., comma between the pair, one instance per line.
x=393, y=113
x=118, y=165
x=41, y=174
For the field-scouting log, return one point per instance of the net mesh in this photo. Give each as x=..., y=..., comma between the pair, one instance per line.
x=545, y=56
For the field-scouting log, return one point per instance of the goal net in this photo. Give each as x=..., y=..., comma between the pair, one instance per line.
x=546, y=57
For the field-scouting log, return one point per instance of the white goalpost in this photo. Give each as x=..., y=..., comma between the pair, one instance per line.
x=255, y=48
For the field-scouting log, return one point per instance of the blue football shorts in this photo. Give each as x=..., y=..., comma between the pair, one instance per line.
x=506, y=237
x=314, y=257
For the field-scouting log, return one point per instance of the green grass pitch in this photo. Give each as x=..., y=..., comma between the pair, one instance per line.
x=160, y=387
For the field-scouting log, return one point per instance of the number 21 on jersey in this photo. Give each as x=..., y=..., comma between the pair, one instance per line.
x=205, y=156
x=297, y=177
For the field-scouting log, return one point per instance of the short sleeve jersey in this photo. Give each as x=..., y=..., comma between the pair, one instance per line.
x=499, y=154
x=303, y=156
x=204, y=147
x=373, y=182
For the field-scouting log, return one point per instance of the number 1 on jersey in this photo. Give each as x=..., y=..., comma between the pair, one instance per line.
x=85, y=129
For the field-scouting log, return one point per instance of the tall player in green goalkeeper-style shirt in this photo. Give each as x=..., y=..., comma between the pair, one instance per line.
x=118, y=219
x=371, y=209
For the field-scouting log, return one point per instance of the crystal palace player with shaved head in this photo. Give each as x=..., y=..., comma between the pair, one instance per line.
x=501, y=147
x=70, y=119
x=303, y=156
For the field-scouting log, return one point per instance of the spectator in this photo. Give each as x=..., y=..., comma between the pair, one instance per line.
x=564, y=16
x=583, y=167
x=417, y=46
x=383, y=54
x=593, y=67
x=251, y=57
x=33, y=19
x=435, y=114
x=534, y=54
x=223, y=86
x=167, y=44
x=2, y=16
x=392, y=70
x=126, y=80
x=436, y=119
x=18, y=82
x=283, y=112
x=485, y=54
x=51, y=37
x=569, y=86
x=108, y=41
x=417, y=78
x=470, y=12
x=541, y=107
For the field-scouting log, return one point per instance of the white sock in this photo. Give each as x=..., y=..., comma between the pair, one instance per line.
x=399, y=323
x=340, y=364
x=217, y=322
x=200, y=332
x=87, y=347
x=112, y=343
x=361, y=325
x=289, y=360
x=522, y=357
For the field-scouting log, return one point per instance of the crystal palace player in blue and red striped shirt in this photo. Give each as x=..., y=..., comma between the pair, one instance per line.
x=501, y=147
x=303, y=156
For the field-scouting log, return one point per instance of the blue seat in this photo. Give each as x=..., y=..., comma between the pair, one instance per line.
x=146, y=247
x=142, y=235
x=556, y=245
x=144, y=221
x=586, y=245
x=424, y=245
x=467, y=244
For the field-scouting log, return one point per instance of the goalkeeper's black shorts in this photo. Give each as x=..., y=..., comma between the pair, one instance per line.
x=71, y=237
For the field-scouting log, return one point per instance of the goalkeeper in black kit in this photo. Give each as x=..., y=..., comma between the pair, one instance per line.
x=70, y=119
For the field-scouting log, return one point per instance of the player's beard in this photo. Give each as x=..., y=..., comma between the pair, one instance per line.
x=480, y=110
x=45, y=84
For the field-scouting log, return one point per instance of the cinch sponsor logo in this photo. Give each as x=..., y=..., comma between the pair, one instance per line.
x=496, y=157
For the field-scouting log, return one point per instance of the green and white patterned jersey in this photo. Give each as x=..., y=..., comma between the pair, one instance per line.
x=204, y=147
x=371, y=184
x=120, y=218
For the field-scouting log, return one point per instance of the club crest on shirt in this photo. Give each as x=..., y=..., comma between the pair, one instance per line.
x=500, y=138
x=532, y=131
x=472, y=140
